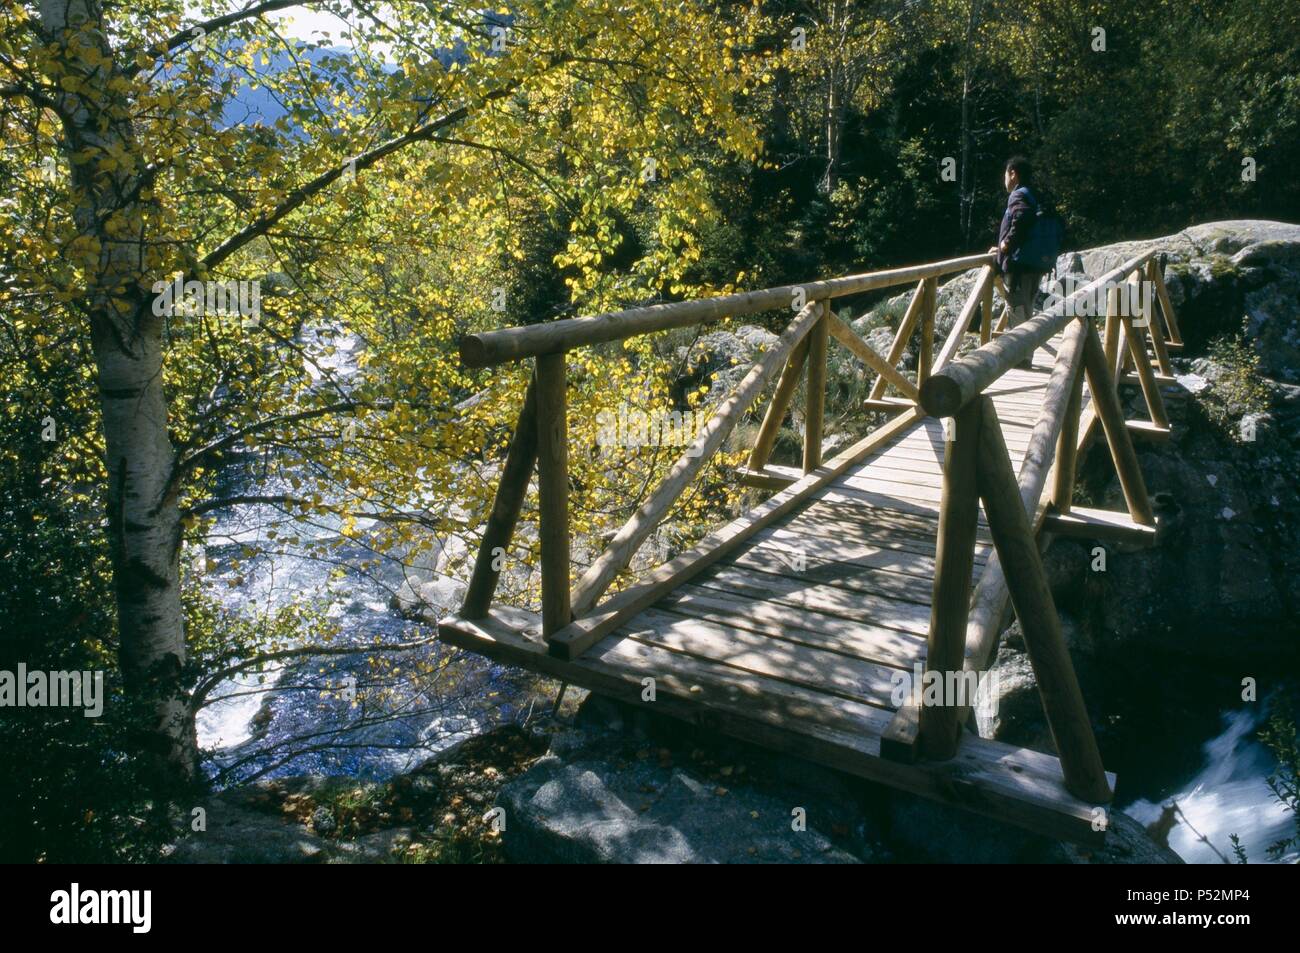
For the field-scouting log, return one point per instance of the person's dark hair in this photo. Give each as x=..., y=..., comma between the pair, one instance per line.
x=1021, y=166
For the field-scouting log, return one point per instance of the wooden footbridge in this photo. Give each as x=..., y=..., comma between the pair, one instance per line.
x=794, y=625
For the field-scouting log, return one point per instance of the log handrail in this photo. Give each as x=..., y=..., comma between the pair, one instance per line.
x=951, y=387
x=512, y=344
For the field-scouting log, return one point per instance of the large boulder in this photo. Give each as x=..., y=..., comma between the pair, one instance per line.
x=603, y=797
x=627, y=786
x=720, y=359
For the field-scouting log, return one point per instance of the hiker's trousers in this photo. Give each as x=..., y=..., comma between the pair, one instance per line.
x=1021, y=288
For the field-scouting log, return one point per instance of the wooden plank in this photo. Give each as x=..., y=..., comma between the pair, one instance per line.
x=768, y=478
x=914, y=558
x=600, y=574
x=995, y=780
x=553, y=491
x=868, y=518
x=825, y=672
x=1134, y=380
x=888, y=405
x=582, y=633
x=875, y=580
x=898, y=463
x=899, y=741
x=883, y=470
x=876, y=524
x=830, y=536
x=1147, y=430
x=870, y=642
x=930, y=434
x=507, y=504
x=849, y=495
x=1088, y=523
x=832, y=600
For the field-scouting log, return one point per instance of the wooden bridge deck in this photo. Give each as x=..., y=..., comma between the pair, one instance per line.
x=794, y=638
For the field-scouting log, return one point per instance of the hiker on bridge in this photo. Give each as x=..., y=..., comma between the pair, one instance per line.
x=1018, y=223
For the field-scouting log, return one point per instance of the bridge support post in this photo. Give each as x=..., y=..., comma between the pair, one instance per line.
x=939, y=724
x=553, y=491
x=1146, y=375
x=1017, y=550
x=1147, y=304
x=986, y=312
x=1112, y=328
x=815, y=411
x=929, y=304
x=1067, y=446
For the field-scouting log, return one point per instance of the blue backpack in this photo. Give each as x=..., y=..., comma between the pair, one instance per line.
x=1041, y=249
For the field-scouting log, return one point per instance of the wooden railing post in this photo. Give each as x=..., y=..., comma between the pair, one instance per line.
x=1112, y=327
x=986, y=311
x=954, y=562
x=1017, y=550
x=553, y=490
x=1162, y=296
x=1067, y=445
x=506, y=505
x=815, y=411
x=1147, y=305
x=926, y=358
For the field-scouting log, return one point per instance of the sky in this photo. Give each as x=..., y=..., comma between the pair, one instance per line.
x=298, y=22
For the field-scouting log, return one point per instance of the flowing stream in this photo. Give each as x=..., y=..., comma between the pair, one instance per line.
x=297, y=716
x=1227, y=795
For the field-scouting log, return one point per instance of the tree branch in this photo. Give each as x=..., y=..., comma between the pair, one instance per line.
x=299, y=196
x=185, y=35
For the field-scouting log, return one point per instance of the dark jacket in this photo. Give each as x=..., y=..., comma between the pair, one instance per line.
x=1017, y=220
